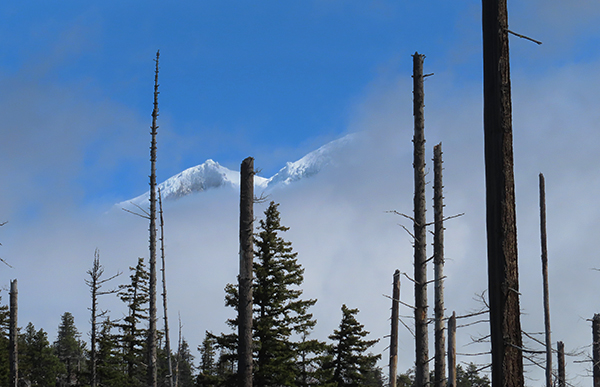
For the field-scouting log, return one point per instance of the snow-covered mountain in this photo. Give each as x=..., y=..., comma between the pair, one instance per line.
x=311, y=164
x=211, y=175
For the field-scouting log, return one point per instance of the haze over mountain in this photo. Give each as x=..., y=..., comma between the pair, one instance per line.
x=211, y=175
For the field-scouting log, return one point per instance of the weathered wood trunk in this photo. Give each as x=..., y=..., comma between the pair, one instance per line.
x=13, y=335
x=164, y=293
x=545, y=281
x=562, y=377
x=503, y=276
x=452, y=350
x=95, y=274
x=438, y=262
x=394, y=334
x=152, y=365
x=596, y=349
x=420, y=232
x=245, y=277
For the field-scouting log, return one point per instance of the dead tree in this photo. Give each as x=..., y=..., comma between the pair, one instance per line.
x=394, y=333
x=164, y=293
x=562, y=379
x=438, y=262
x=545, y=281
x=596, y=349
x=452, y=350
x=152, y=365
x=13, y=335
x=95, y=283
x=503, y=276
x=245, y=276
x=178, y=353
x=421, y=336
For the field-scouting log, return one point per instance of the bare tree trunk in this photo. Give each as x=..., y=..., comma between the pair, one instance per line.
x=562, y=378
x=545, y=281
x=178, y=354
x=245, y=277
x=596, y=349
x=14, y=335
x=164, y=294
x=452, y=350
x=503, y=275
x=95, y=283
x=95, y=275
x=152, y=366
x=438, y=262
x=421, y=336
x=394, y=334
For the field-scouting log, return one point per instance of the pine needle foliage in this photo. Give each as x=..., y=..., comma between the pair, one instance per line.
x=133, y=340
x=349, y=364
x=281, y=321
x=280, y=312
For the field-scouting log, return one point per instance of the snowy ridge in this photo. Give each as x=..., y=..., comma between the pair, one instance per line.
x=311, y=164
x=210, y=174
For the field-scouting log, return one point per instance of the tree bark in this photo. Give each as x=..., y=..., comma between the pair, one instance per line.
x=93, y=283
x=545, y=281
x=421, y=335
x=152, y=366
x=438, y=262
x=394, y=333
x=562, y=378
x=452, y=350
x=503, y=277
x=245, y=277
x=164, y=294
x=13, y=335
x=596, y=349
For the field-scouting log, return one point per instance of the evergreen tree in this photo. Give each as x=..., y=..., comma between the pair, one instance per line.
x=69, y=349
x=38, y=365
x=406, y=379
x=279, y=310
x=310, y=356
x=349, y=364
x=4, y=345
x=281, y=322
x=470, y=377
x=464, y=377
x=207, y=377
x=185, y=365
x=110, y=371
x=133, y=339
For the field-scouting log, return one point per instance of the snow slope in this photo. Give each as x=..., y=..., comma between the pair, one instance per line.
x=211, y=175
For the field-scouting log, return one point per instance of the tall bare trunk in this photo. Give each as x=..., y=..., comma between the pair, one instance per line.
x=420, y=233
x=179, y=341
x=394, y=333
x=95, y=275
x=164, y=293
x=438, y=262
x=596, y=349
x=545, y=281
x=14, y=335
x=245, y=277
x=95, y=283
x=562, y=378
x=452, y=350
x=503, y=275
x=152, y=366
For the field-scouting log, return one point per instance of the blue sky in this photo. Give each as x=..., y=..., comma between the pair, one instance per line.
x=275, y=80
x=271, y=79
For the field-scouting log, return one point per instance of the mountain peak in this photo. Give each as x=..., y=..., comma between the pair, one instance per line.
x=211, y=174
